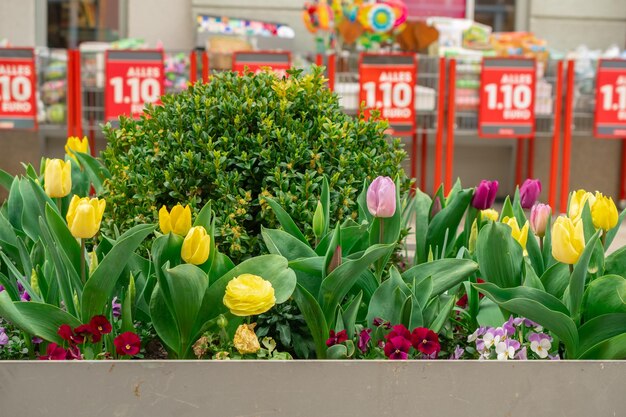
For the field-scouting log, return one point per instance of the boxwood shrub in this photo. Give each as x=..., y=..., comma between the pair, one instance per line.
x=236, y=140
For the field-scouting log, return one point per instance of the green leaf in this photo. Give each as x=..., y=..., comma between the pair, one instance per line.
x=605, y=295
x=63, y=237
x=507, y=209
x=95, y=170
x=99, y=287
x=337, y=284
x=163, y=321
x=15, y=205
x=127, y=313
x=615, y=263
x=282, y=243
x=579, y=277
x=446, y=222
x=556, y=279
x=6, y=180
x=537, y=306
x=445, y=273
x=286, y=221
x=489, y=314
x=351, y=312
x=187, y=284
x=364, y=213
x=443, y=316
x=613, y=348
x=599, y=329
x=37, y=319
x=500, y=257
x=530, y=277
x=330, y=252
x=423, y=290
x=422, y=218
x=220, y=266
x=7, y=234
x=314, y=317
x=388, y=300
x=204, y=217
x=534, y=253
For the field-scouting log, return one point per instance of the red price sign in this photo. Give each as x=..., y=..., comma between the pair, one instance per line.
x=611, y=99
x=18, y=109
x=133, y=78
x=507, y=98
x=387, y=83
x=279, y=62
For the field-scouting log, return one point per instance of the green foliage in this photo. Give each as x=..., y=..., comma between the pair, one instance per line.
x=236, y=141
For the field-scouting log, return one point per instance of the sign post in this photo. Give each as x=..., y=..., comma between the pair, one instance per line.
x=387, y=83
x=507, y=98
x=133, y=79
x=18, y=109
x=610, y=114
x=255, y=61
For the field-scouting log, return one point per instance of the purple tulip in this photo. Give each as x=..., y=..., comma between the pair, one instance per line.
x=485, y=195
x=539, y=215
x=381, y=197
x=529, y=192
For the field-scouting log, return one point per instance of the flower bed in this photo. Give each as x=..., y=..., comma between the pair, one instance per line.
x=481, y=284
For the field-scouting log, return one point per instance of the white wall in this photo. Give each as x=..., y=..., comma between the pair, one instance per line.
x=17, y=22
x=169, y=21
x=567, y=24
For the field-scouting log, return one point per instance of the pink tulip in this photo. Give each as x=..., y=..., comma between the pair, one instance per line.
x=381, y=197
x=539, y=215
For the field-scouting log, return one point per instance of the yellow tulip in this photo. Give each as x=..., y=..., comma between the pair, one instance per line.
x=58, y=178
x=521, y=235
x=75, y=144
x=196, y=246
x=604, y=213
x=245, y=340
x=568, y=240
x=249, y=295
x=577, y=203
x=178, y=221
x=84, y=216
x=490, y=214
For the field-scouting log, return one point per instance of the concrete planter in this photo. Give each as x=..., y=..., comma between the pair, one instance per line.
x=312, y=388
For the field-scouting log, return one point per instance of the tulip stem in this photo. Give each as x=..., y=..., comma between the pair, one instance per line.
x=82, y=260
x=381, y=230
x=541, y=245
x=571, y=269
x=603, y=239
x=59, y=206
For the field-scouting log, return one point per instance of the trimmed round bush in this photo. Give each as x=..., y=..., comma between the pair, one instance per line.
x=235, y=141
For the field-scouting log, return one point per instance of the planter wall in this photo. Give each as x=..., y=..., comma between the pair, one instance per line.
x=312, y=388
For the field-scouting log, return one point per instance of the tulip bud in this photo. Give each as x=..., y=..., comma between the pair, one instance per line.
x=490, y=214
x=520, y=235
x=473, y=237
x=34, y=282
x=84, y=216
x=485, y=195
x=539, y=215
x=604, y=213
x=577, y=203
x=568, y=240
x=436, y=207
x=196, y=246
x=58, y=178
x=381, y=197
x=529, y=192
x=222, y=321
x=318, y=221
x=335, y=261
x=178, y=221
x=75, y=144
